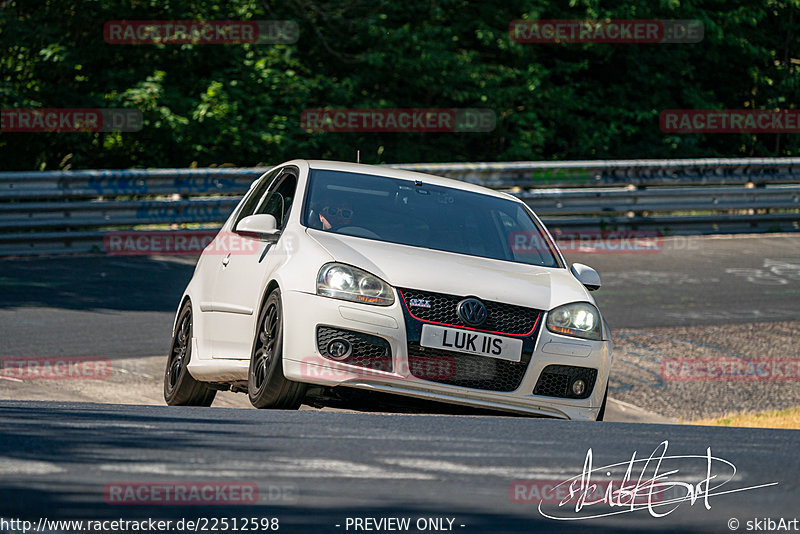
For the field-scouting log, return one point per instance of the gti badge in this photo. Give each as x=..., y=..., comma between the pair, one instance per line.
x=419, y=303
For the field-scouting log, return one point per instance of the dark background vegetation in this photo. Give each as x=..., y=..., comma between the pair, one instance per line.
x=240, y=104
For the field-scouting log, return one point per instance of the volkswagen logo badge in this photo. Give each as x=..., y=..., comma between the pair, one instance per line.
x=472, y=312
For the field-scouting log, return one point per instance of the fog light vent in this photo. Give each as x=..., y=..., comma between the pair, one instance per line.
x=354, y=348
x=566, y=382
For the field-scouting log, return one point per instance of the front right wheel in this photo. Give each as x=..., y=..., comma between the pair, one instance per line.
x=267, y=386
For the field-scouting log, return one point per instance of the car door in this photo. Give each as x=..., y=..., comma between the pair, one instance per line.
x=246, y=269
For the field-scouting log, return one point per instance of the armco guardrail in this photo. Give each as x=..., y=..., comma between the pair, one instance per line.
x=68, y=185
x=600, y=173
x=71, y=211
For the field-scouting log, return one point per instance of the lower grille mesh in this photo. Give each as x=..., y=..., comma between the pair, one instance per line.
x=466, y=370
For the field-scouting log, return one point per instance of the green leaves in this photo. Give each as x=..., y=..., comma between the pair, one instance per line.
x=241, y=104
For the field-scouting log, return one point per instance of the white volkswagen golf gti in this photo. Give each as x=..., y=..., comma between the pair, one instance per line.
x=333, y=275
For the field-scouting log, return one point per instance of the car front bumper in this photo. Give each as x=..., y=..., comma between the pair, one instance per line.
x=303, y=360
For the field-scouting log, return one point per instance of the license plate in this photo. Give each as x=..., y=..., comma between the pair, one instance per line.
x=455, y=339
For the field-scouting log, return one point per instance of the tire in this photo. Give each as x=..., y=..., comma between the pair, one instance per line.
x=602, y=412
x=180, y=388
x=267, y=387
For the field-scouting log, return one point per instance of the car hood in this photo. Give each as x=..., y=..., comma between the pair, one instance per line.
x=456, y=274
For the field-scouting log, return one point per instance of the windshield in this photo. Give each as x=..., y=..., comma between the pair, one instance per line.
x=423, y=215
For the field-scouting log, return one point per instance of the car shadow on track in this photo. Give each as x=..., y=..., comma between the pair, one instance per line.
x=134, y=283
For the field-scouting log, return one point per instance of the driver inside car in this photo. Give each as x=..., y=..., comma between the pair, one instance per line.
x=332, y=217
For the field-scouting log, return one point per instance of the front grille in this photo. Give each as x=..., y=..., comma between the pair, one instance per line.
x=556, y=381
x=466, y=370
x=501, y=318
x=366, y=350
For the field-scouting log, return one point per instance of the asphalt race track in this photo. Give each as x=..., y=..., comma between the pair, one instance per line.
x=700, y=297
x=123, y=306
x=693, y=280
x=314, y=470
x=690, y=297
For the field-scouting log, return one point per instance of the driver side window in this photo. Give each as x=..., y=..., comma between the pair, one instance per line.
x=255, y=195
x=278, y=200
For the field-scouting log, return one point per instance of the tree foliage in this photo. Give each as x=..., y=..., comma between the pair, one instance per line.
x=241, y=104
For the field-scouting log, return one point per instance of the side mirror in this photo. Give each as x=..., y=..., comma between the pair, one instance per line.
x=586, y=276
x=261, y=226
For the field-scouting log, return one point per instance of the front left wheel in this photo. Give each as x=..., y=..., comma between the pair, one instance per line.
x=267, y=386
x=181, y=388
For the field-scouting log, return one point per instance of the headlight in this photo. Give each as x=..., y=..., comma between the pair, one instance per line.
x=579, y=319
x=349, y=283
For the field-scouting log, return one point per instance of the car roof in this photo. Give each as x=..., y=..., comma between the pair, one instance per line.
x=410, y=176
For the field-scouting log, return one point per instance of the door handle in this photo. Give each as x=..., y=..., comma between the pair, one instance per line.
x=226, y=260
